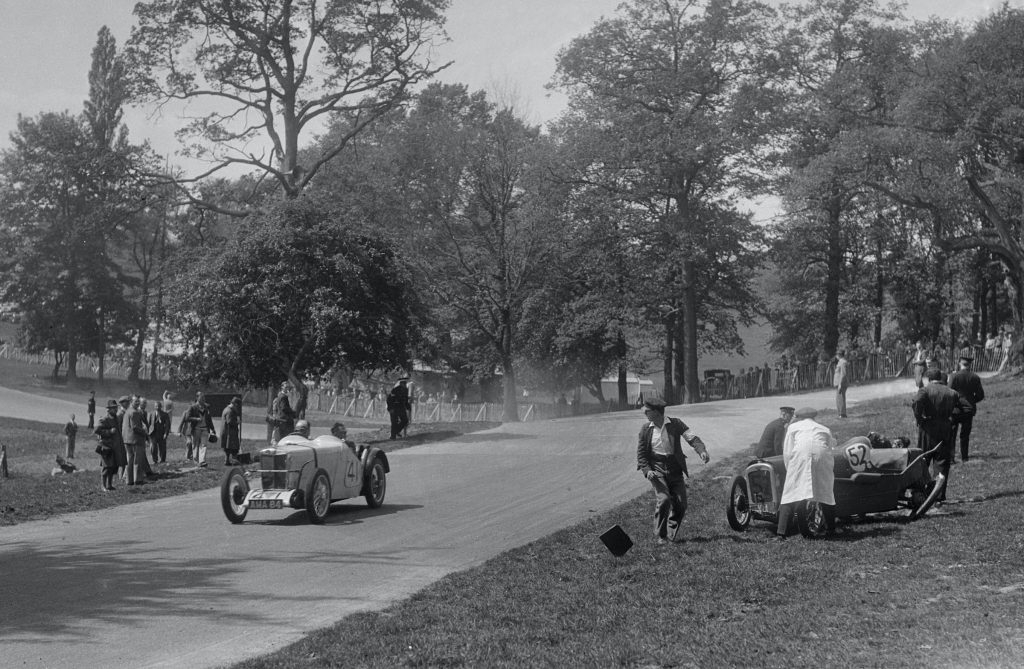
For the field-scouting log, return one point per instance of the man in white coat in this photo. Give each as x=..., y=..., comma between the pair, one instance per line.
x=807, y=453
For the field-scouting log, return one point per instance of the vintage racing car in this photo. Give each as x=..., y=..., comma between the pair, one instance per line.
x=301, y=473
x=867, y=480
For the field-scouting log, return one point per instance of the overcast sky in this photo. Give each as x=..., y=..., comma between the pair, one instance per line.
x=497, y=45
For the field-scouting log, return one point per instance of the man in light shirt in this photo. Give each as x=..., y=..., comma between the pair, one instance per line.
x=659, y=456
x=807, y=453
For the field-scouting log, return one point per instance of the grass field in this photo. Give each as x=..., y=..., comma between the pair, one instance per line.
x=946, y=591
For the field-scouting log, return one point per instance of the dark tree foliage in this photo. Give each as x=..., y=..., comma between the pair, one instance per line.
x=671, y=100
x=297, y=292
x=61, y=201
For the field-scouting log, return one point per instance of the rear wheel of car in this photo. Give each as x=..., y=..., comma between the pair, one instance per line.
x=376, y=484
x=318, y=497
x=810, y=518
x=233, y=489
x=738, y=511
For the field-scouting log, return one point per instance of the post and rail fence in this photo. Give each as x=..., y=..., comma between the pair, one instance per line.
x=759, y=382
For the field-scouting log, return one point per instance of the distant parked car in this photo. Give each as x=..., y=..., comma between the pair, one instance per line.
x=310, y=474
x=716, y=383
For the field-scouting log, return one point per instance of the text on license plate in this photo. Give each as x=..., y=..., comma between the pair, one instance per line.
x=266, y=504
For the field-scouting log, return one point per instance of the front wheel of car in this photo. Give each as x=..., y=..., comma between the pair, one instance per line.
x=934, y=495
x=233, y=489
x=376, y=484
x=810, y=518
x=318, y=497
x=738, y=511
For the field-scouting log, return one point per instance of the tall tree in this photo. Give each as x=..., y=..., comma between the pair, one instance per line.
x=334, y=298
x=675, y=96
x=842, y=58
x=60, y=202
x=462, y=186
x=961, y=123
x=275, y=72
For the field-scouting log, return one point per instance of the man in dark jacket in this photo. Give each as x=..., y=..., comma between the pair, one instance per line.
x=159, y=430
x=231, y=430
x=968, y=384
x=200, y=426
x=399, y=407
x=774, y=434
x=659, y=456
x=934, y=410
x=109, y=433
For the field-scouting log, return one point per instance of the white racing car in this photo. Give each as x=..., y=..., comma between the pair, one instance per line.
x=301, y=473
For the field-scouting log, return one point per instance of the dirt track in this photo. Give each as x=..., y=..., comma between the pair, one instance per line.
x=171, y=583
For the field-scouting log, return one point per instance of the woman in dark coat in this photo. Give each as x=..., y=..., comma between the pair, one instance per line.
x=231, y=430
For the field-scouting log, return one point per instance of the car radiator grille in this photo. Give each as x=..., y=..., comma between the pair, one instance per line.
x=278, y=478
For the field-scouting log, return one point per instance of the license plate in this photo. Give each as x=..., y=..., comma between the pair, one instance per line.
x=266, y=504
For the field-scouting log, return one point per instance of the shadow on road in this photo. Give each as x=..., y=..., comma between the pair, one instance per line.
x=478, y=437
x=111, y=584
x=339, y=514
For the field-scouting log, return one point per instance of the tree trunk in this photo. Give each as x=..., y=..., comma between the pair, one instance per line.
x=510, y=407
x=833, y=278
x=72, y=365
x=58, y=361
x=623, y=384
x=670, y=393
x=142, y=328
x=691, y=384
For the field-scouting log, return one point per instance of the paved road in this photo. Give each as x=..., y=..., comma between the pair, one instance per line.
x=171, y=583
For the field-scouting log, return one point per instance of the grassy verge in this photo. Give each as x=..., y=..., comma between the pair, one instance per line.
x=943, y=591
x=32, y=493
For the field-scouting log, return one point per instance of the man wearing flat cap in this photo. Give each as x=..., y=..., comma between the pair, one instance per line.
x=659, y=456
x=807, y=453
x=109, y=434
x=968, y=384
x=774, y=434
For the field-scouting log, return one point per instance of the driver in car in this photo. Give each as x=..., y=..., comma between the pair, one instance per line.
x=301, y=428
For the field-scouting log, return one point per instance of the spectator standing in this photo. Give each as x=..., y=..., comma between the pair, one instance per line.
x=807, y=452
x=919, y=363
x=133, y=433
x=774, y=434
x=90, y=407
x=231, y=430
x=841, y=381
x=659, y=456
x=70, y=432
x=159, y=430
x=200, y=426
x=282, y=417
x=121, y=450
x=399, y=407
x=144, y=407
x=168, y=402
x=109, y=435
x=968, y=385
x=934, y=410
